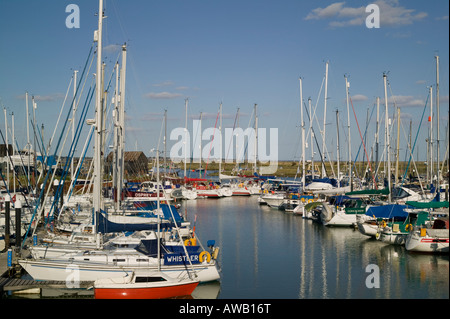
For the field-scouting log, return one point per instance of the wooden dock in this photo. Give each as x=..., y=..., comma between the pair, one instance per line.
x=8, y=283
x=15, y=284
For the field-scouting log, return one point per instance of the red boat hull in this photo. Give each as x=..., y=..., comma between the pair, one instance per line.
x=146, y=293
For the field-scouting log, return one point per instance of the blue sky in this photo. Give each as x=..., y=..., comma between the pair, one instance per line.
x=235, y=52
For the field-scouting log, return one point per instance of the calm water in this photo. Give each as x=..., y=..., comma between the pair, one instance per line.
x=268, y=254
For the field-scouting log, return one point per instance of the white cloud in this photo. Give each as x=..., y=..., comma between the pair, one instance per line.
x=163, y=95
x=165, y=83
x=111, y=48
x=391, y=14
x=42, y=98
x=404, y=101
x=359, y=97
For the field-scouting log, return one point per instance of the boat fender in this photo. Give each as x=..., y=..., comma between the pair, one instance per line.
x=202, y=255
x=215, y=253
x=377, y=236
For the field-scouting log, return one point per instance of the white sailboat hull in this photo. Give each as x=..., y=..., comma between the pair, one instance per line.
x=342, y=219
x=79, y=272
x=432, y=242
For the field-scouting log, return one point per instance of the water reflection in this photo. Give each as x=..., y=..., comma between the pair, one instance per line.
x=266, y=253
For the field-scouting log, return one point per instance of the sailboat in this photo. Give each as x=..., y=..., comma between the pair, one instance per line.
x=431, y=237
x=144, y=285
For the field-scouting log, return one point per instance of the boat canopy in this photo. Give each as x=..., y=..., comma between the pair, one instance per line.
x=387, y=211
x=369, y=192
x=432, y=204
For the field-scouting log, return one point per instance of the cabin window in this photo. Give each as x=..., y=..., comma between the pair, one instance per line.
x=149, y=279
x=141, y=260
x=119, y=260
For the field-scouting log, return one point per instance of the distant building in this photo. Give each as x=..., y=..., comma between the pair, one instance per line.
x=3, y=150
x=136, y=163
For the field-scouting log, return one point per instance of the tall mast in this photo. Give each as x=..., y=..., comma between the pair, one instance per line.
x=312, y=138
x=387, y=138
x=255, y=168
x=13, y=150
x=437, y=123
x=337, y=149
x=303, y=134
x=121, y=157
x=431, y=134
x=28, y=137
x=165, y=140
x=324, y=117
x=398, y=146
x=7, y=150
x=185, y=137
x=220, y=130
x=347, y=85
x=200, y=168
x=97, y=201
x=116, y=139
x=73, y=118
x=377, y=137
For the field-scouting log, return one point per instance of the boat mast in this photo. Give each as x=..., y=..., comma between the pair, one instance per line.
x=337, y=147
x=185, y=137
x=431, y=135
x=387, y=138
x=98, y=181
x=7, y=151
x=324, y=117
x=312, y=138
x=303, y=134
x=347, y=85
x=220, y=130
x=13, y=151
x=398, y=146
x=116, y=137
x=437, y=124
x=200, y=168
x=165, y=141
x=255, y=168
x=377, y=138
x=121, y=151
x=73, y=119
x=28, y=137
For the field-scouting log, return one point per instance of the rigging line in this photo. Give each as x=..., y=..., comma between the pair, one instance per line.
x=59, y=192
x=415, y=141
x=76, y=92
x=231, y=142
x=245, y=146
x=80, y=164
x=212, y=140
x=362, y=140
x=414, y=162
x=360, y=144
x=315, y=139
x=50, y=175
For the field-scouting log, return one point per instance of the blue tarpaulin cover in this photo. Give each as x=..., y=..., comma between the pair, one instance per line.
x=387, y=211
